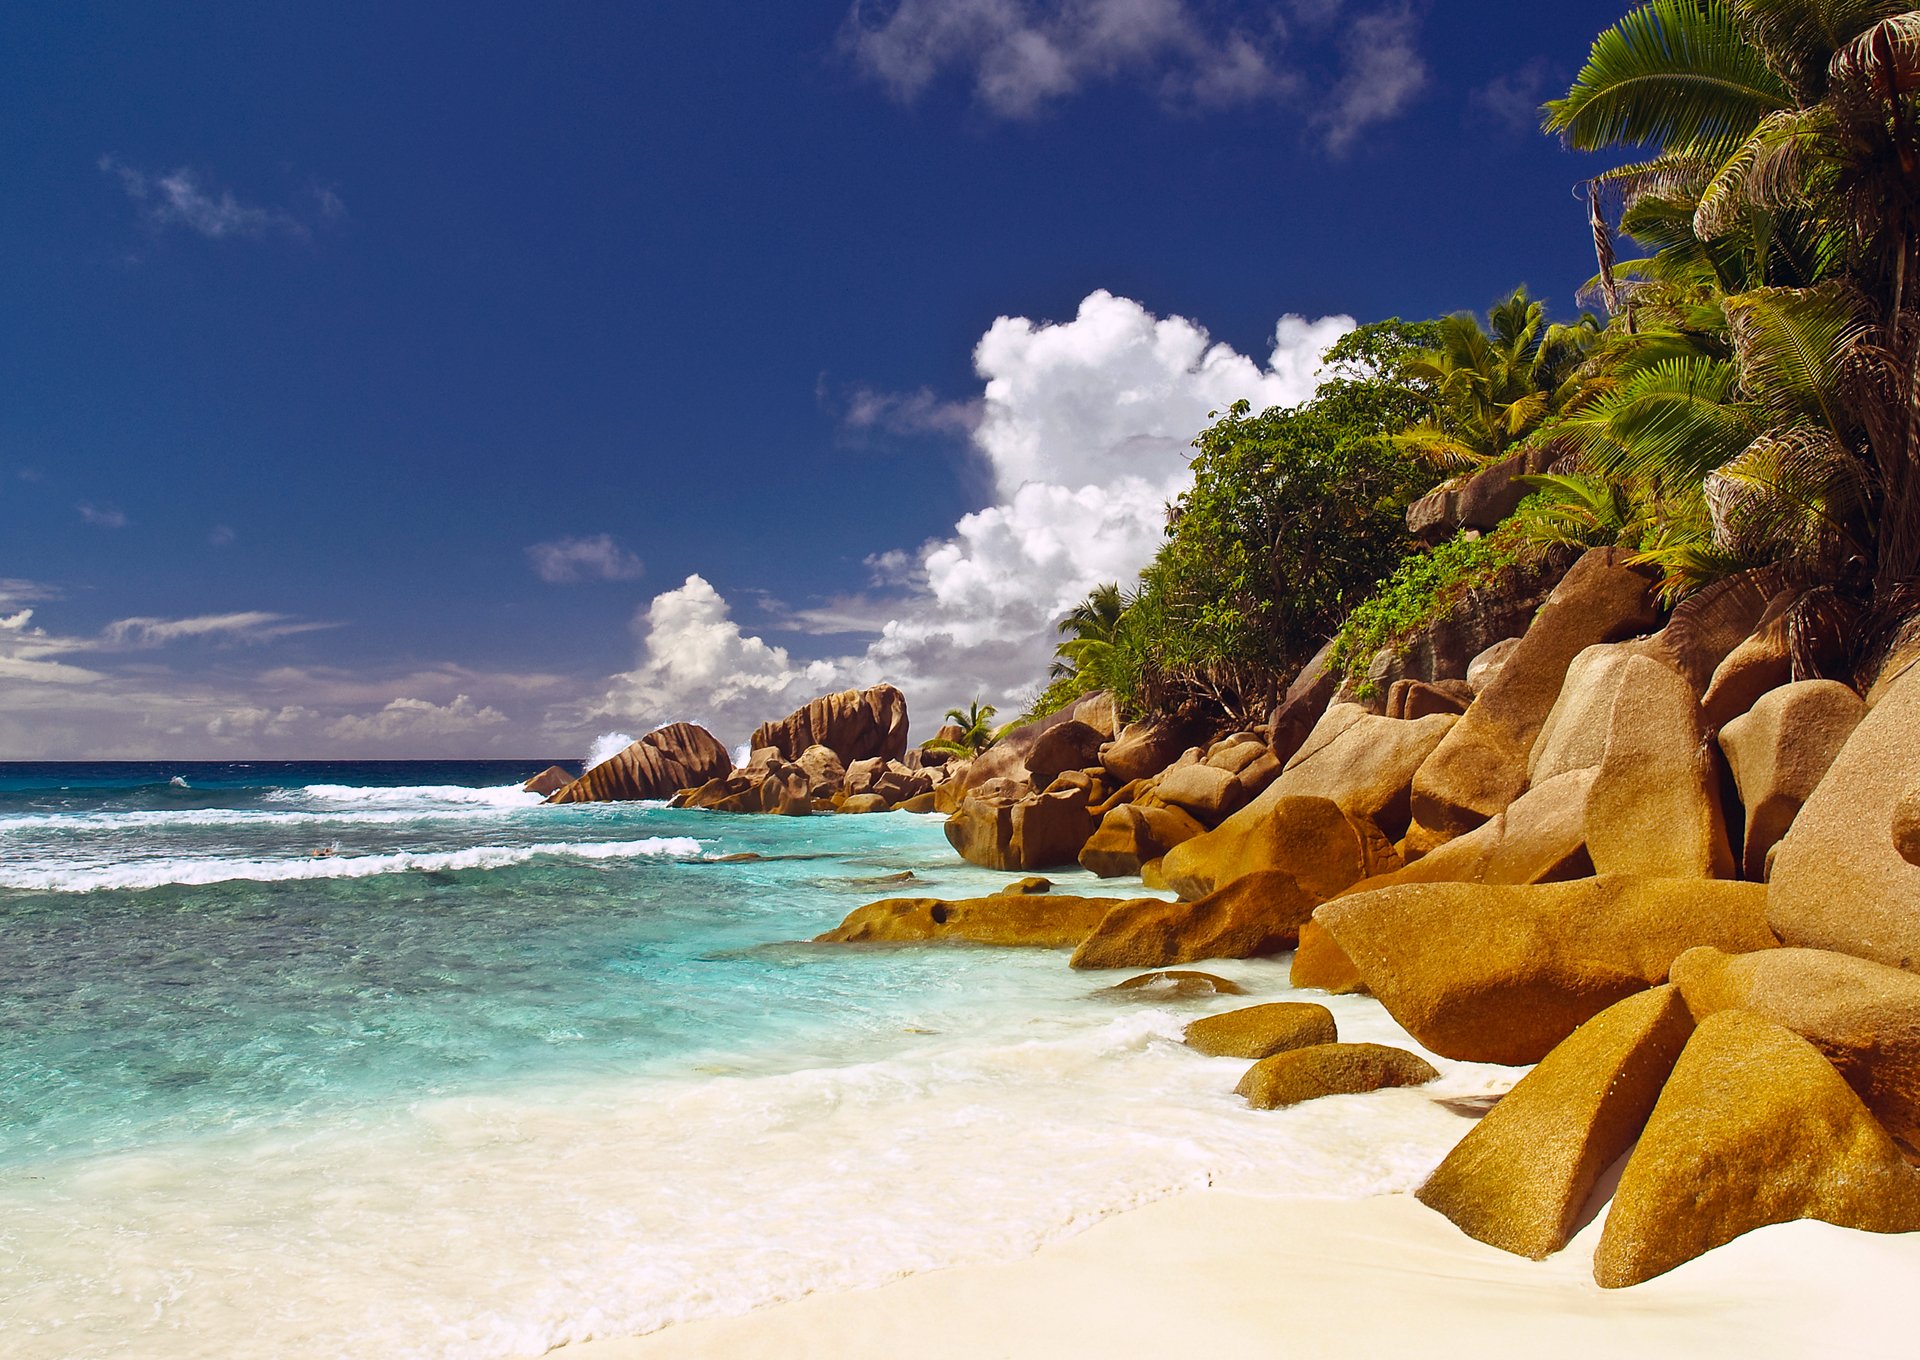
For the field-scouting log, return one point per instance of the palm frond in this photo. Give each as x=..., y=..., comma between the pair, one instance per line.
x=1793, y=345
x=1771, y=170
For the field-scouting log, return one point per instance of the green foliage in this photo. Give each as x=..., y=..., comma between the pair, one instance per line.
x=1425, y=588
x=976, y=731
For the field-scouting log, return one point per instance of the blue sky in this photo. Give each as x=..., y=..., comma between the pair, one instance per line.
x=410, y=380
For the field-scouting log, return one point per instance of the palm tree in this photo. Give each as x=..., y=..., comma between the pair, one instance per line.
x=1095, y=618
x=1490, y=388
x=1788, y=127
x=976, y=731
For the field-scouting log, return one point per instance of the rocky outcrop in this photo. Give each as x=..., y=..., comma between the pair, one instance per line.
x=1254, y=914
x=1303, y=1074
x=1654, y=807
x=1864, y=1017
x=891, y=780
x=1762, y=661
x=1143, y=750
x=1364, y=763
x=1779, y=750
x=1302, y=704
x=854, y=725
x=548, y=781
x=1711, y=623
x=1262, y=1031
x=1007, y=757
x=1044, y=920
x=1754, y=1127
x=1541, y=838
x=1477, y=500
x=1481, y=766
x=1521, y=1177
x=1838, y=880
x=824, y=768
x=1130, y=835
x=1071, y=745
x=1906, y=826
x=1502, y=974
x=660, y=764
x=1320, y=965
x=999, y=830
x=1311, y=839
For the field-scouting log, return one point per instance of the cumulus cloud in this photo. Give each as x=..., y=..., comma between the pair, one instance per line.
x=182, y=198
x=252, y=625
x=414, y=719
x=1084, y=427
x=1021, y=56
x=695, y=663
x=568, y=560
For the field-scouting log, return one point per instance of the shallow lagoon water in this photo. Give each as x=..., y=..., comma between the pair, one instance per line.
x=491, y=1076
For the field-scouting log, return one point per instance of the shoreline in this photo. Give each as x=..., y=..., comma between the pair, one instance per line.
x=1229, y=1274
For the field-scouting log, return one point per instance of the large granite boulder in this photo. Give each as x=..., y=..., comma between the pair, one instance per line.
x=1540, y=838
x=1302, y=704
x=1204, y=792
x=1129, y=835
x=1362, y=762
x=854, y=724
x=1864, y=1017
x=1044, y=920
x=1762, y=661
x=1007, y=757
x=548, y=781
x=1711, y=623
x=1521, y=1177
x=892, y=780
x=660, y=764
x=1312, y=839
x=1481, y=765
x=1262, y=1031
x=1143, y=750
x=1501, y=974
x=1071, y=745
x=1838, y=880
x=1754, y=1127
x=824, y=768
x=1303, y=1074
x=1255, y=914
x=1654, y=807
x=1779, y=750
x=1037, y=831
x=1320, y=965
x=1476, y=500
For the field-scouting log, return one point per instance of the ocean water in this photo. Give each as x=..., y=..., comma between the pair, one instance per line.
x=487, y=1076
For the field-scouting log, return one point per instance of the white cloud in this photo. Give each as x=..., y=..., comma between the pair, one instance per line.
x=909, y=413
x=251, y=625
x=182, y=198
x=28, y=654
x=696, y=664
x=100, y=516
x=415, y=719
x=1085, y=427
x=1021, y=56
x=569, y=560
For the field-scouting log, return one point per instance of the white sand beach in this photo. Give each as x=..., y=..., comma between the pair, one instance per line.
x=1227, y=1275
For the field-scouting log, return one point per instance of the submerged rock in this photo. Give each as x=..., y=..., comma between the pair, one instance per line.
x=1262, y=1031
x=1178, y=983
x=1303, y=1074
x=550, y=780
x=1046, y=921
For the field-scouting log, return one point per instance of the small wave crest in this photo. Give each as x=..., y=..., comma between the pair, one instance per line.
x=183, y=872
x=503, y=795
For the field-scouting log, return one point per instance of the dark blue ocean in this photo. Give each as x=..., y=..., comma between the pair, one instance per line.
x=355, y=1058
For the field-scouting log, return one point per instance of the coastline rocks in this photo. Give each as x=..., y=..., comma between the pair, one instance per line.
x=1178, y=984
x=853, y=724
x=1309, y=838
x=1038, y=920
x=1477, y=500
x=1202, y=791
x=1130, y=835
x=1838, y=881
x=1262, y=1031
x=1039, y=831
x=1301, y=706
x=1654, y=805
x=1906, y=826
x=1481, y=765
x=1779, y=751
x=1712, y=623
x=1754, y=1127
x=1864, y=1017
x=660, y=764
x=1007, y=757
x=1303, y=1074
x=1364, y=763
x=550, y=780
x=1320, y=965
x=1493, y=974
x=1255, y=914
x=855, y=804
x=1071, y=745
x=1521, y=1177
x=1142, y=751
x=824, y=768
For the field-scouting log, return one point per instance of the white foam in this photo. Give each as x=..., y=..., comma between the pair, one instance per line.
x=605, y=747
x=199, y=870
x=496, y=1227
x=504, y=795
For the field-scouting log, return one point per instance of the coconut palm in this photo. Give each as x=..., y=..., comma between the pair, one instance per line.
x=976, y=731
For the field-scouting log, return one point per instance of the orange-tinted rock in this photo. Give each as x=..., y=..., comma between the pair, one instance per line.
x=1779, y=751
x=1040, y=831
x=1258, y=913
x=660, y=764
x=1712, y=622
x=1481, y=766
x=1838, y=880
x=1906, y=826
x=550, y=780
x=1364, y=763
x=1177, y=984
x=1046, y=921
x=1309, y=838
x=1763, y=661
x=1754, y=1127
x=1130, y=835
x=854, y=725
x=1864, y=1017
x=1522, y=1175
x=1071, y=745
x=1413, y=699
x=1205, y=792
x=1501, y=974
x=1262, y=1031
x=1319, y=964
x=1303, y=1074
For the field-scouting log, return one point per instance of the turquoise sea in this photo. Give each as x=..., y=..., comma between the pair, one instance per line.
x=484, y=1076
